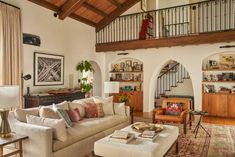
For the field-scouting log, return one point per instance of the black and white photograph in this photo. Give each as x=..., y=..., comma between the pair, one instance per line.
x=48, y=69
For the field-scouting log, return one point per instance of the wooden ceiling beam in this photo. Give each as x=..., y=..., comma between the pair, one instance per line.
x=114, y=2
x=82, y=19
x=117, y=12
x=45, y=4
x=69, y=7
x=94, y=9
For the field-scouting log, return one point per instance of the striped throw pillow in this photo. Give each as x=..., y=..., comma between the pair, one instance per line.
x=63, y=114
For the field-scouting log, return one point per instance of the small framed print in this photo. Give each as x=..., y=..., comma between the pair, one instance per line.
x=138, y=67
x=134, y=64
x=129, y=62
x=122, y=65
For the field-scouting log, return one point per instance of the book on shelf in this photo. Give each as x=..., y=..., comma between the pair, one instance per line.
x=121, y=136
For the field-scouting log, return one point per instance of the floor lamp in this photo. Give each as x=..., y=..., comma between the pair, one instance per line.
x=9, y=96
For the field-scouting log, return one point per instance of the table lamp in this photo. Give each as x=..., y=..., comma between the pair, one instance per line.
x=9, y=97
x=111, y=87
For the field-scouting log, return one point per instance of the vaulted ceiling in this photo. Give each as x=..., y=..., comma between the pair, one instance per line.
x=96, y=13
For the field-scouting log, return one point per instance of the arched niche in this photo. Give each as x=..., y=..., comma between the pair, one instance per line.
x=184, y=87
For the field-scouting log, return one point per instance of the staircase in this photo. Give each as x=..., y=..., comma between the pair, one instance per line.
x=169, y=79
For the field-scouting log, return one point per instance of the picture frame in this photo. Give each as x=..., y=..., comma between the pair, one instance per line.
x=134, y=64
x=138, y=67
x=122, y=66
x=129, y=62
x=48, y=69
x=227, y=59
x=144, y=5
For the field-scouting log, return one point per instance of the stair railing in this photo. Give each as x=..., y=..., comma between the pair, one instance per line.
x=174, y=75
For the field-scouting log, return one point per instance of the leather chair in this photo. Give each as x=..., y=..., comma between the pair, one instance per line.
x=160, y=115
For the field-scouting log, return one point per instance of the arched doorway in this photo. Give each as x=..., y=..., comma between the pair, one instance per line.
x=173, y=81
x=95, y=79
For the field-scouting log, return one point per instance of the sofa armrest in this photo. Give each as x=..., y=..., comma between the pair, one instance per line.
x=159, y=111
x=39, y=143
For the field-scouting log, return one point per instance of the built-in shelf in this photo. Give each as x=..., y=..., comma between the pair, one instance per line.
x=218, y=69
x=218, y=81
x=127, y=81
x=126, y=72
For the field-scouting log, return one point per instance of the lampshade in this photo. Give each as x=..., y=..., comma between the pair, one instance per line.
x=111, y=87
x=9, y=96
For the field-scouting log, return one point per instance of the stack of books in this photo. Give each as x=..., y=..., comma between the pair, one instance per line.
x=149, y=135
x=121, y=136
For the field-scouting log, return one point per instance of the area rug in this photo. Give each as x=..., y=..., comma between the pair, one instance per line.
x=220, y=144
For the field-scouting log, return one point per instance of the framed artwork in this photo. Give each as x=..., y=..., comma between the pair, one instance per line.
x=138, y=67
x=122, y=65
x=227, y=59
x=134, y=64
x=48, y=69
x=144, y=5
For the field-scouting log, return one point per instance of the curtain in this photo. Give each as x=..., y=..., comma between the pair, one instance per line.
x=10, y=46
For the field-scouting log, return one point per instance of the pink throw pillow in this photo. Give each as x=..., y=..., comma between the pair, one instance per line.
x=93, y=110
x=74, y=115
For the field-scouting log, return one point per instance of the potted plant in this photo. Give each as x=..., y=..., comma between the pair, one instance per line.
x=84, y=66
x=123, y=98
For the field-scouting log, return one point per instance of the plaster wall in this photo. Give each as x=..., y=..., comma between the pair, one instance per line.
x=190, y=57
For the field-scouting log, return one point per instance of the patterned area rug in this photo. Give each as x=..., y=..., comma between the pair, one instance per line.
x=220, y=144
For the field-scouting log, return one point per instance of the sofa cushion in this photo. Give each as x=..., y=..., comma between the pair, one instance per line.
x=119, y=108
x=88, y=127
x=174, y=108
x=63, y=105
x=48, y=112
x=107, y=104
x=74, y=115
x=79, y=106
x=93, y=110
x=57, y=125
x=21, y=113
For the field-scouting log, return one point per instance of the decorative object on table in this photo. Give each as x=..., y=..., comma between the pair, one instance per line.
x=224, y=90
x=121, y=136
x=227, y=76
x=111, y=87
x=149, y=135
x=209, y=88
x=48, y=69
x=9, y=96
x=143, y=126
x=85, y=85
x=227, y=59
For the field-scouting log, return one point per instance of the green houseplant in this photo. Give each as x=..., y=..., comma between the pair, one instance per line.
x=85, y=66
x=123, y=98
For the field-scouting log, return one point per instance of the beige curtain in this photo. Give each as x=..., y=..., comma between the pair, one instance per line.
x=10, y=46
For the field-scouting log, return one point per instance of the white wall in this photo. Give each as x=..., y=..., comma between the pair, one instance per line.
x=153, y=60
x=74, y=40
x=185, y=88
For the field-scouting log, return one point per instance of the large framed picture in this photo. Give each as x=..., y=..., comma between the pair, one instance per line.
x=48, y=69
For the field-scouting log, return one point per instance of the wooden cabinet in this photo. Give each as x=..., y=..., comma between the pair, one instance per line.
x=219, y=104
x=49, y=99
x=135, y=99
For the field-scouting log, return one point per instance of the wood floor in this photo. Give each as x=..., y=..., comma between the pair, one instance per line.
x=147, y=117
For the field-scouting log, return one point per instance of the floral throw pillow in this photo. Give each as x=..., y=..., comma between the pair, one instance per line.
x=93, y=110
x=174, y=108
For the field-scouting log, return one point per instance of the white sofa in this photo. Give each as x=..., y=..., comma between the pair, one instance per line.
x=81, y=136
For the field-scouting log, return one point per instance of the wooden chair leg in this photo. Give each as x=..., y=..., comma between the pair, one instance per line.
x=185, y=125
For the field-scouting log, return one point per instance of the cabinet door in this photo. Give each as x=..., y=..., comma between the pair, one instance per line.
x=218, y=105
x=205, y=102
x=137, y=100
x=231, y=106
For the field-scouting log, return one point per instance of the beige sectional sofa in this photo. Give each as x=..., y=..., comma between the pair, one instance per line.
x=80, y=138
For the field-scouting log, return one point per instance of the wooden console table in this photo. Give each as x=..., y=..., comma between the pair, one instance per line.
x=48, y=99
x=14, y=139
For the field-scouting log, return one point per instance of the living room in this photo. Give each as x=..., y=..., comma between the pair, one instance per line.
x=77, y=41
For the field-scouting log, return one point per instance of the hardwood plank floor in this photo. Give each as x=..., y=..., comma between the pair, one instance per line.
x=147, y=117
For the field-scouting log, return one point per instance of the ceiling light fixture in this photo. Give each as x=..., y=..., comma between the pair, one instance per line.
x=227, y=46
x=123, y=53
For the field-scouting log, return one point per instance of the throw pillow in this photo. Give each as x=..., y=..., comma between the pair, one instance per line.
x=174, y=108
x=63, y=114
x=107, y=104
x=79, y=106
x=93, y=110
x=74, y=115
x=63, y=105
x=57, y=125
x=120, y=109
x=21, y=113
x=47, y=112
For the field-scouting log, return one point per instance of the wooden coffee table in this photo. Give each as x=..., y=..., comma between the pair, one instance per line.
x=139, y=147
x=6, y=150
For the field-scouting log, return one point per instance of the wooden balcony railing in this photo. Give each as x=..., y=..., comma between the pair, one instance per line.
x=197, y=18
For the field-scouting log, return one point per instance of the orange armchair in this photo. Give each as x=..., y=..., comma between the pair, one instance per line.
x=160, y=114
